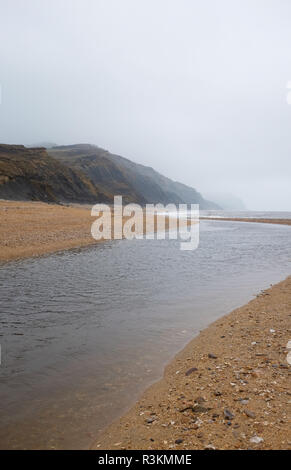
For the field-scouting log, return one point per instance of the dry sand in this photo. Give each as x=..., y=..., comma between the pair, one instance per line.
x=228, y=389
x=34, y=228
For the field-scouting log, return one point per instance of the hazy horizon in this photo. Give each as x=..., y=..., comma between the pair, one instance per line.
x=195, y=89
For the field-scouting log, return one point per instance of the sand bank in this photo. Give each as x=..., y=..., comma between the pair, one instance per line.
x=261, y=221
x=228, y=389
x=29, y=229
x=34, y=228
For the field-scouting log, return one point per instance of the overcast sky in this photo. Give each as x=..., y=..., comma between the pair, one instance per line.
x=194, y=88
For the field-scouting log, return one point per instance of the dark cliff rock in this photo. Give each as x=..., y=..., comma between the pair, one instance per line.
x=31, y=174
x=118, y=175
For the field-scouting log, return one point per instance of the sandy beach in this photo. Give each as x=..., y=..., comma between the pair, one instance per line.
x=34, y=228
x=145, y=229
x=30, y=229
x=228, y=389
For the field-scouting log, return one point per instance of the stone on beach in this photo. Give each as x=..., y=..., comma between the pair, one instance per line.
x=190, y=371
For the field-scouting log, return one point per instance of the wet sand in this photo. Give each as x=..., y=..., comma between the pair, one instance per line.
x=228, y=389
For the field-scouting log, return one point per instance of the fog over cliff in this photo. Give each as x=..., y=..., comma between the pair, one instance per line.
x=196, y=89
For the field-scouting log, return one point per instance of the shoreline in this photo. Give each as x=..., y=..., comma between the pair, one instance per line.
x=32, y=229
x=254, y=220
x=182, y=411
x=229, y=388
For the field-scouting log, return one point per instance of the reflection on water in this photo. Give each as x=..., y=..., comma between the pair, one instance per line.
x=84, y=332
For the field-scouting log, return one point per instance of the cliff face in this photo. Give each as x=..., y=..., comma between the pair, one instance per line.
x=85, y=174
x=118, y=175
x=31, y=174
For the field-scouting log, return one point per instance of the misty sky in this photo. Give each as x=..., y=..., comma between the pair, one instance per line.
x=195, y=88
